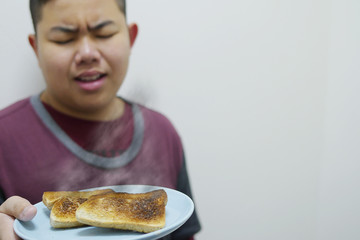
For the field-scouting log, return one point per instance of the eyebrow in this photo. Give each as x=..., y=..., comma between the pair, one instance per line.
x=75, y=30
x=101, y=25
x=64, y=29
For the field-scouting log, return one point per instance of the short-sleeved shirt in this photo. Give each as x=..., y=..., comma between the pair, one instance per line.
x=37, y=154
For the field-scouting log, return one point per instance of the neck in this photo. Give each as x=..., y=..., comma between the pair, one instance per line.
x=112, y=111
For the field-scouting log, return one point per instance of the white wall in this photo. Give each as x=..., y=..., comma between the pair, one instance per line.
x=20, y=75
x=263, y=93
x=339, y=195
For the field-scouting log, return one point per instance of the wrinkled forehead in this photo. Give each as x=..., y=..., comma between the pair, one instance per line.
x=80, y=12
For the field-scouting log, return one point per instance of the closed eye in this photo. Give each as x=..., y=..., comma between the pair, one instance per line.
x=105, y=36
x=63, y=42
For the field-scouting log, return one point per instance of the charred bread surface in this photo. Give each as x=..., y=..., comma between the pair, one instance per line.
x=141, y=212
x=49, y=198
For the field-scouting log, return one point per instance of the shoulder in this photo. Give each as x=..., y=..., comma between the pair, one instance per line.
x=159, y=129
x=155, y=119
x=13, y=119
x=162, y=136
x=14, y=109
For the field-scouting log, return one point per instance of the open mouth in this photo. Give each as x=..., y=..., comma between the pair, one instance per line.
x=91, y=81
x=91, y=78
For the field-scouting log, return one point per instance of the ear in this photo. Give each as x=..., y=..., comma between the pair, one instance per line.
x=133, y=32
x=32, y=41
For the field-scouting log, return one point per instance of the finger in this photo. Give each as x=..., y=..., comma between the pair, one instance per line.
x=19, y=208
x=6, y=228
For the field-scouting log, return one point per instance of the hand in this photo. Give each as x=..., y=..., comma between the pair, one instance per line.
x=14, y=207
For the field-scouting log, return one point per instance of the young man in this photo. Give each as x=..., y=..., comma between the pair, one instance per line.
x=77, y=133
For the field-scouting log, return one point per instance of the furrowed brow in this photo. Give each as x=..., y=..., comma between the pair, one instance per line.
x=101, y=25
x=64, y=29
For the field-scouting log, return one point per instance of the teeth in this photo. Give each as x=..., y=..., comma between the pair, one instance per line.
x=89, y=78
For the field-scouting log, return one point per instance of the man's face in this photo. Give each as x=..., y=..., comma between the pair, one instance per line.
x=83, y=49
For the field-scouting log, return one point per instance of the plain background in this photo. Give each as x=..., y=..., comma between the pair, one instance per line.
x=264, y=94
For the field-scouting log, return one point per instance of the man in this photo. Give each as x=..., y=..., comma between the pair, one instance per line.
x=77, y=133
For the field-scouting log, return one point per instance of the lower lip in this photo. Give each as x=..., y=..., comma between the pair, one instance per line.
x=93, y=85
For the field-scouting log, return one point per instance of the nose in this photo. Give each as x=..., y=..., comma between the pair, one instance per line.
x=87, y=52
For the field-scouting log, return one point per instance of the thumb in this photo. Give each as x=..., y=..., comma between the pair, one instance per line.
x=19, y=208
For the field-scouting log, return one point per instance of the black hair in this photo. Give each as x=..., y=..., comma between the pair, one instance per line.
x=36, y=5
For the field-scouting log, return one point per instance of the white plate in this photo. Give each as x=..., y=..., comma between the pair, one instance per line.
x=178, y=209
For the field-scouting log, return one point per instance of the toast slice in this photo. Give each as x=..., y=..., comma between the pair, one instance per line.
x=49, y=198
x=63, y=205
x=141, y=212
x=62, y=214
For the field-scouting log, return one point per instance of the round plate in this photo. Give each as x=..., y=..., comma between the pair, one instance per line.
x=178, y=209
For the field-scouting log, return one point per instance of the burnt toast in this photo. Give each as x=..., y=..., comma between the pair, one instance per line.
x=140, y=212
x=62, y=214
x=49, y=198
x=63, y=205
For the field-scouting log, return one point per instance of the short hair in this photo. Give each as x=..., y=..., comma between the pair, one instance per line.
x=36, y=5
